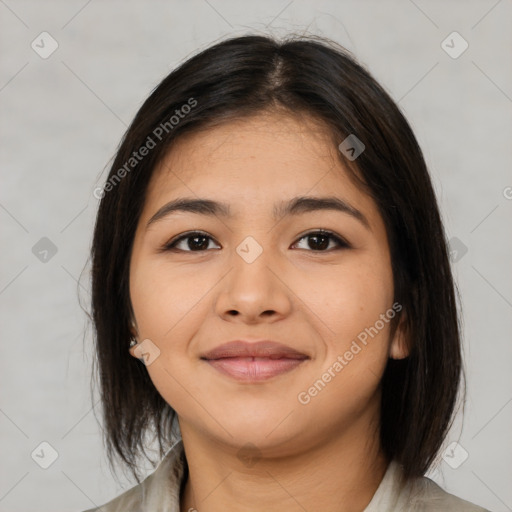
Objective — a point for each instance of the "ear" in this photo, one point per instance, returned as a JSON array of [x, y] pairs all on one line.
[[134, 330], [399, 347], [134, 334]]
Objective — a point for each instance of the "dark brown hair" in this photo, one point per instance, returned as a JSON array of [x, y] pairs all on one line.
[[240, 77]]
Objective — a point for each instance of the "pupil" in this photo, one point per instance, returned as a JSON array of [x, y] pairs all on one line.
[[193, 247], [322, 245]]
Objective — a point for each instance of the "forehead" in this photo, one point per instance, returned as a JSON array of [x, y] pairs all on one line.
[[263, 159]]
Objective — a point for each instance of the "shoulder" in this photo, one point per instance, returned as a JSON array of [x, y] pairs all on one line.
[[416, 495], [425, 495], [129, 501], [159, 491]]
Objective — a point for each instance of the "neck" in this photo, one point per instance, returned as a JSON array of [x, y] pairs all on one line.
[[338, 475]]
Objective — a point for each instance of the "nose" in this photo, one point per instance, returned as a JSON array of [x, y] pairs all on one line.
[[253, 292]]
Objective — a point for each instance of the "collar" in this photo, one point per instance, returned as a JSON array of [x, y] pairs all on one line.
[[161, 489]]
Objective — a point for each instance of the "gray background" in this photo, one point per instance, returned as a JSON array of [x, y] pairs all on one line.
[[62, 118]]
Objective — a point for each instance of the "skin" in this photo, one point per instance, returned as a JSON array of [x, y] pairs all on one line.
[[324, 455]]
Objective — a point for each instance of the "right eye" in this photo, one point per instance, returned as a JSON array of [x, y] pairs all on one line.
[[194, 241]]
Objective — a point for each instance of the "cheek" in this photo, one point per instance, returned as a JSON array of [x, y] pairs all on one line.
[[169, 309], [164, 299], [348, 298], [353, 313], [170, 305], [356, 315]]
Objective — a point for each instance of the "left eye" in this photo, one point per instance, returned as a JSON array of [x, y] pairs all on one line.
[[199, 242], [321, 240]]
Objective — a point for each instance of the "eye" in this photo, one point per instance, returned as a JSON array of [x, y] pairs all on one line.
[[198, 241], [319, 240]]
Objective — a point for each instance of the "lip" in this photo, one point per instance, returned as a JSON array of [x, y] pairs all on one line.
[[254, 361]]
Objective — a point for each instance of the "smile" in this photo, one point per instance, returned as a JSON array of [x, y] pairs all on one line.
[[254, 368]]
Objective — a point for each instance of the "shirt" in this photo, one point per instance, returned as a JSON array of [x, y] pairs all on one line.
[[160, 492]]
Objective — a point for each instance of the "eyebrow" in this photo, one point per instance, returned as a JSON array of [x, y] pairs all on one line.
[[295, 206]]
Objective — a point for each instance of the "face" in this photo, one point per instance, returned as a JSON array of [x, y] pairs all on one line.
[[250, 275]]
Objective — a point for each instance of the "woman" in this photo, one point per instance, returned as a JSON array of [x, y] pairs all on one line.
[[272, 294]]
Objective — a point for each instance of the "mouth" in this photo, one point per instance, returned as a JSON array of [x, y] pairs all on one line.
[[254, 361]]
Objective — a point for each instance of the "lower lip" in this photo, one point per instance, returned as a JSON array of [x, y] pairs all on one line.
[[254, 369]]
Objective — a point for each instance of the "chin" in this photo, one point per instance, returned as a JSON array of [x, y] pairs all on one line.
[[262, 428]]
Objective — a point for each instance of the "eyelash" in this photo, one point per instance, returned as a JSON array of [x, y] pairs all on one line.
[[171, 245]]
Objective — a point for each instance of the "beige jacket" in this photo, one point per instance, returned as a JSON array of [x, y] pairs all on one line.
[[160, 492]]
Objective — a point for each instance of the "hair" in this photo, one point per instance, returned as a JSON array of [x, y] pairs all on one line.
[[299, 75]]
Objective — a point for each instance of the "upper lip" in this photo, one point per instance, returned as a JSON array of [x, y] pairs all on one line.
[[265, 348]]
